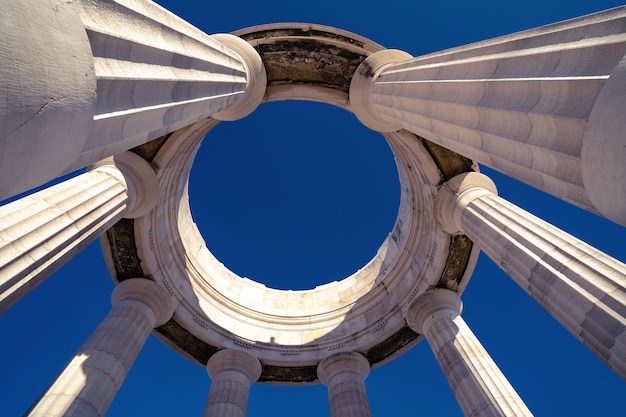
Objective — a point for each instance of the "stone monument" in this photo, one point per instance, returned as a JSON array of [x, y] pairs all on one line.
[[129, 90]]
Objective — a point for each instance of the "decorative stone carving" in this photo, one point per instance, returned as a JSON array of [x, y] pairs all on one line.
[[232, 372], [344, 374]]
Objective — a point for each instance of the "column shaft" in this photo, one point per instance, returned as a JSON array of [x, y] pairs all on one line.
[[519, 103], [344, 374], [48, 94], [42, 231], [231, 372], [147, 73], [89, 383], [155, 73], [478, 385], [583, 288]]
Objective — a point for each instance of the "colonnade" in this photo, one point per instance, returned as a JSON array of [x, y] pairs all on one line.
[[580, 286], [88, 384], [532, 105]]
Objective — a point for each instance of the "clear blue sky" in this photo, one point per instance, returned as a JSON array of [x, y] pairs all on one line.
[[307, 172]]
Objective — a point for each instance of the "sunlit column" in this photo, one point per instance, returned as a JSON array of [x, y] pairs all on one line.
[[157, 73], [232, 372], [48, 94], [344, 375], [89, 383], [478, 385], [101, 77], [583, 288], [544, 106], [42, 231]]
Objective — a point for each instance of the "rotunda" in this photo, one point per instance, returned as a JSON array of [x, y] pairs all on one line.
[[531, 105]]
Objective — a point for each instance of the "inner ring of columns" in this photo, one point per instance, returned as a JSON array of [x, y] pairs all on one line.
[[291, 331]]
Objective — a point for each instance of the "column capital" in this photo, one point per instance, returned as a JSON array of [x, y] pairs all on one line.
[[362, 79], [256, 78], [88, 384], [477, 383], [341, 362], [146, 292], [455, 195], [139, 177], [431, 305], [234, 360]]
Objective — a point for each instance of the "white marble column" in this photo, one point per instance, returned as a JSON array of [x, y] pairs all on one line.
[[344, 374], [581, 287], [89, 383], [48, 95], [232, 372], [101, 77], [544, 106], [478, 385], [42, 231]]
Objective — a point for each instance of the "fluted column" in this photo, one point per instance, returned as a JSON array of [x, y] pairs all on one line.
[[42, 231], [581, 287], [89, 383], [101, 77], [344, 374], [232, 372], [478, 385], [48, 94], [543, 106], [156, 73]]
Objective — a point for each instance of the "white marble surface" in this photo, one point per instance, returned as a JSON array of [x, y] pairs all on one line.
[[232, 372], [478, 384], [519, 104], [89, 383], [42, 231], [344, 375], [583, 288]]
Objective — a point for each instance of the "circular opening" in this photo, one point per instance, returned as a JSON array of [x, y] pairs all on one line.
[[296, 195]]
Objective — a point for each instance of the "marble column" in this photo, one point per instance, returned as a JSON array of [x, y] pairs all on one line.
[[543, 106], [42, 231], [581, 287], [101, 77], [232, 372], [344, 374], [89, 383], [478, 385]]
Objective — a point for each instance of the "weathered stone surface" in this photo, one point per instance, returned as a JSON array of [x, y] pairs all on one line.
[[121, 237]]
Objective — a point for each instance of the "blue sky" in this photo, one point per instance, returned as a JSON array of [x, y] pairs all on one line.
[[305, 216]]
